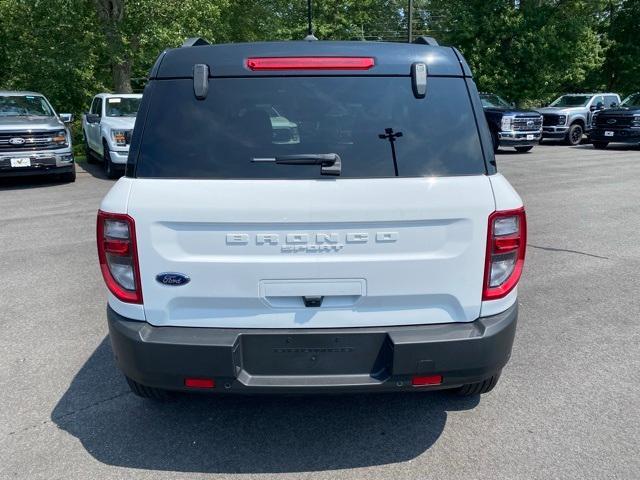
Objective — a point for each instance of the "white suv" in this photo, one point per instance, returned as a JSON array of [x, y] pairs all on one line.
[[375, 248], [107, 129]]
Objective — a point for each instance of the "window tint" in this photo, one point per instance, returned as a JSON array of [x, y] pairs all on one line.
[[609, 101], [24, 106], [244, 119], [597, 100], [96, 107], [122, 106]]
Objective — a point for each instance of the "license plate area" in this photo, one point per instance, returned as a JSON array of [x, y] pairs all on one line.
[[608, 134], [20, 162], [316, 354]]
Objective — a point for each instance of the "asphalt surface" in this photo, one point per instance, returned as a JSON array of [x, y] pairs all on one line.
[[565, 408]]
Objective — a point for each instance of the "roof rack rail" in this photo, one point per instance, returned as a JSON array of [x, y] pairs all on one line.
[[195, 42], [426, 41]]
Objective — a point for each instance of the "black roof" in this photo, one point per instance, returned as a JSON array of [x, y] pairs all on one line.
[[229, 59]]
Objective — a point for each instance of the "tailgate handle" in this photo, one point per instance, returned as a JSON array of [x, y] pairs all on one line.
[[312, 301]]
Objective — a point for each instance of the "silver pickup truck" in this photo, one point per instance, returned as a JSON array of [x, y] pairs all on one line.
[[34, 139], [569, 117]]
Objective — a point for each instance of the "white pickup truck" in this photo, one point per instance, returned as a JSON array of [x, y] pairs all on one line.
[[107, 130]]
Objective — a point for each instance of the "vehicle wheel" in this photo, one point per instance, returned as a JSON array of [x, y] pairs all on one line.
[[524, 149], [574, 135], [109, 168], [479, 388], [600, 145], [88, 153], [68, 177], [496, 142], [143, 391]]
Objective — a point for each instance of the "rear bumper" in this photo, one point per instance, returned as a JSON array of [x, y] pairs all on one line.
[[318, 360]]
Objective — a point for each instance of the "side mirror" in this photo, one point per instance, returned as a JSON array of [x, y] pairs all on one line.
[[513, 104], [66, 117], [93, 118]]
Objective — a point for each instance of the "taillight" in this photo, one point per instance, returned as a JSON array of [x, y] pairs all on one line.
[[506, 245], [116, 234], [310, 63]]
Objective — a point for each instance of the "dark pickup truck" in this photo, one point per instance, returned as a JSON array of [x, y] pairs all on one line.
[[620, 124], [509, 126]]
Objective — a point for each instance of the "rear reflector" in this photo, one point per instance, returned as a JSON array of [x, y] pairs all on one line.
[[199, 383], [422, 381], [310, 63]]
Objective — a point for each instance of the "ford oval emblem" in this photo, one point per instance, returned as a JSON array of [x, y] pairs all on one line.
[[172, 279], [612, 121], [17, 141]]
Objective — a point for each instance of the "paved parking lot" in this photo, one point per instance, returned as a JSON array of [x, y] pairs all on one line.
[[566, 406]]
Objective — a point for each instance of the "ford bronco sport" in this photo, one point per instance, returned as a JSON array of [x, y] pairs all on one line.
[[375, 248]]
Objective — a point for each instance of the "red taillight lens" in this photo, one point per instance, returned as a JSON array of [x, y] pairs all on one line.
[[310, 63], [506, 246], [116, 235]]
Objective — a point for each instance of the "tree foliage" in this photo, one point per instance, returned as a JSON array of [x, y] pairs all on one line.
[[525, 50]]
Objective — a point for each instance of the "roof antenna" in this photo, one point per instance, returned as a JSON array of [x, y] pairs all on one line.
[[310, 36]]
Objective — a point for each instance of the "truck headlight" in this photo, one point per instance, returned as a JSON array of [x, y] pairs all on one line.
[[119, 137], [507, 124], [636, 121], [61, 139], [562, 119]]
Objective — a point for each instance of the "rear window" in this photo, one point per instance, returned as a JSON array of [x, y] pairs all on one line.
[[244, 121]]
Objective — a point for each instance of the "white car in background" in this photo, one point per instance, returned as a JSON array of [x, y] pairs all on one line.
[[107, 130]]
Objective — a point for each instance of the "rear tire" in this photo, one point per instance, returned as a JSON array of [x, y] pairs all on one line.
[[88, 153], [574, 135], [600, 145], [478, 388], [524, 149], [151, 393]]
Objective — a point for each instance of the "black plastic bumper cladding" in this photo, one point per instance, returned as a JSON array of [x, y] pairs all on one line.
[[298, 360]]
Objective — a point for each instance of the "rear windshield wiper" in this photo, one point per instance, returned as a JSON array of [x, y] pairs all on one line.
[[330, 163]]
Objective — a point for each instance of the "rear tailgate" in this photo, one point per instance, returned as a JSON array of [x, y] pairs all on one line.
[[378, 252]]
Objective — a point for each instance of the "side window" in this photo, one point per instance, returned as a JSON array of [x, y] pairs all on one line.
[[610, 100], [93, 105], [99, 106], [597, 100]]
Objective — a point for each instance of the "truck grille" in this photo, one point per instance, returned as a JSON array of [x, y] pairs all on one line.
[[10, 141], [527, 124], [612, 122]]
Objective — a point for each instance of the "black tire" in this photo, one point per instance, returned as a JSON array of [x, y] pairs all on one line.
[[479, 388], [524, 149], [109, 167], [68, 177], [151, 393], [88, 153], [574, 135], [600, 145], [495, 141]]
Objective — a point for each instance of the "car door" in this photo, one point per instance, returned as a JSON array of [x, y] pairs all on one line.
[[599, 99]]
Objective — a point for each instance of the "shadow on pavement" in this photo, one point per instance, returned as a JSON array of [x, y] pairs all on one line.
[[30, 181], [236, 434]]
